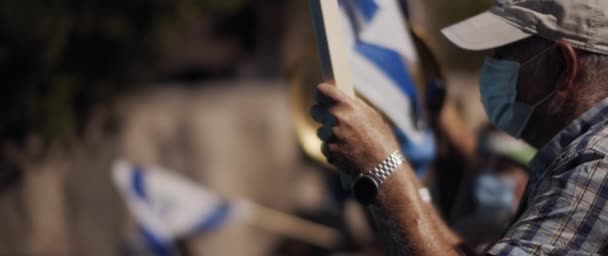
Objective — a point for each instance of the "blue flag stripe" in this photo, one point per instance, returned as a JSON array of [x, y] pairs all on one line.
[[159, 246], [137, 182], [368, 8], [216, 219], [391, 64], [419, 155]]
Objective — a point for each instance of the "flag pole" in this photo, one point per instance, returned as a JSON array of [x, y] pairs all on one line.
[[331, 46], [333, 54], [287, 225]]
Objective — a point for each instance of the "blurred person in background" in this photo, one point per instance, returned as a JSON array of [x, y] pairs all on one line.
[[545, 83], [489, 197]]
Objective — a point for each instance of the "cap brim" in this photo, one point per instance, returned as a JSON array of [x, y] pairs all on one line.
[[482, 32]]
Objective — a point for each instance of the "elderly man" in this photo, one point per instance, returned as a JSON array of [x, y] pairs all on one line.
[[547, 83]]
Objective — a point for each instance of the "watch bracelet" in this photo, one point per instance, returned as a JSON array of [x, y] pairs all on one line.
[[383, 170]]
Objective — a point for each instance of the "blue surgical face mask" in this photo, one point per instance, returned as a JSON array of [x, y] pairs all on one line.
[[498, 89]]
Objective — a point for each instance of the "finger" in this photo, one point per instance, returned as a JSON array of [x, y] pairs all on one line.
[[316, 112], [329, 119], [321, 114], [332, 92], [325, 133], [320, 98], [329, 151]]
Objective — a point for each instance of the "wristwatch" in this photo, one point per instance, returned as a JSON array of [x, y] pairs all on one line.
[[367, 185]]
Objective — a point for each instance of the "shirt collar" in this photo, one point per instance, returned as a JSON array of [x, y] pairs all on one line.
[[550, 151]]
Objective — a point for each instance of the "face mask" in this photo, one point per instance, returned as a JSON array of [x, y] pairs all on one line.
[[498, 89]]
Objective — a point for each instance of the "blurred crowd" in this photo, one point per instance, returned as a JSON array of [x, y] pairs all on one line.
[[207, 89]]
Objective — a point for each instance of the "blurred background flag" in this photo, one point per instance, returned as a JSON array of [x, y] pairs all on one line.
[[167, 207], [384, 65]]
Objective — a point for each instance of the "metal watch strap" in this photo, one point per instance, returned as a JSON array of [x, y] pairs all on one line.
[[383, 170]]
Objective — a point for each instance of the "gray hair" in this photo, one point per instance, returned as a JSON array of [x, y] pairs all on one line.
[[594, 67]]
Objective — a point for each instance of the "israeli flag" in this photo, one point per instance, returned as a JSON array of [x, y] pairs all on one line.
[[382, 57], [166, 206]]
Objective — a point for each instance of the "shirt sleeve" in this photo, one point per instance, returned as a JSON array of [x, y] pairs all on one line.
[[567, 211]]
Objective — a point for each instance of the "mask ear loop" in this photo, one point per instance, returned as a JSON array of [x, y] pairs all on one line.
[[544, 99], [532, 110], [538, 54]]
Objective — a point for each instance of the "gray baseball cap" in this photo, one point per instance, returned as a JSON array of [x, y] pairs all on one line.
[[583, 23]]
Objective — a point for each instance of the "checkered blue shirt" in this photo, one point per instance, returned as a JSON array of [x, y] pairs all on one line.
[[565, 210]]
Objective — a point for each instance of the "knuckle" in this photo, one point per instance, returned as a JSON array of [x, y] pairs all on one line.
[[345, 120], [350, 108], [331, 121], [340, 111], [333, 148], [338, 133], [320, 86], [335, 112]]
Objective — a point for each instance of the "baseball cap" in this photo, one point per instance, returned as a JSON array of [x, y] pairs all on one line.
[[582, 23]]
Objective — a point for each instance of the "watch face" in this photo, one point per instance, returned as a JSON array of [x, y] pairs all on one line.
[[365, 189]]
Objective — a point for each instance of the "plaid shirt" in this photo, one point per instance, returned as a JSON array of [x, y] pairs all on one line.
[[565, 211]]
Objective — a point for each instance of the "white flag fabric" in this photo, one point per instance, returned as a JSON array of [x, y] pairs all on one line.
[[381, 51], [167, 207]]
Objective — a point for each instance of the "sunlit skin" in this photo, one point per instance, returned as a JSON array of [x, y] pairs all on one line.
[[360, 139]]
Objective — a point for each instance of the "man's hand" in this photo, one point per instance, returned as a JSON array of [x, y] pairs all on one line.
[[355, 136], [355, 139]]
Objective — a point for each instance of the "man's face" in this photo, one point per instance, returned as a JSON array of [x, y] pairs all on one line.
[[539, 69], [540, 73]]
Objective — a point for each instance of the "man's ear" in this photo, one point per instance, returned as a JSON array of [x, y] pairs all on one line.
[[571, 70]]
